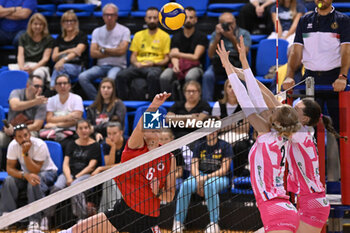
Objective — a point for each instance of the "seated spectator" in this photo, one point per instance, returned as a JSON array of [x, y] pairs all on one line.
[[209, 176], [166, 136], [255, 16], [70, 52], [79, 162], [187, 50], [192, 108], [27, 106], [236, 134], [107, 107], [112, 150], [289, 13], [14, 17], [150, 53], [63, 109], [36, 173], [109, 46], [34, 49], [227, 31]]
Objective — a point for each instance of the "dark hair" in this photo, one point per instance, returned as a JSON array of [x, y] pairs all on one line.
[[82, 121], [19, 127], [115, 124], [313, 111], [31, 78], [152, 8], [190, 8], [62, 75], [192, 82], [98, 103]]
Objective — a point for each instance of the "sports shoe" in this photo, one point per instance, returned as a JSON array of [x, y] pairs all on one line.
[[213, 227], [44, 224], [33, 225], [178, 227]]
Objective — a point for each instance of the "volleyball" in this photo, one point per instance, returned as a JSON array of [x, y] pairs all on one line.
[[172, 16]]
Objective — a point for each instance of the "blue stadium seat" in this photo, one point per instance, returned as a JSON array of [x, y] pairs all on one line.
[[266, 57], [124, 7], [2, 117], [3, 176], [47, 9], [199, 6], [141, 110], [56, 154], [343, 7], [144, 4], [215, 9], [10, 80], [80, 9]]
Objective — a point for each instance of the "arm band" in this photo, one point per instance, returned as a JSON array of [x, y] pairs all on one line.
[[242, 95], [254, 91]]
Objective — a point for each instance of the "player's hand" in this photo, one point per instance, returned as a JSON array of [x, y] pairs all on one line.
[[32, 178], [69, 181], [223, 54], [160, 98], [155, 186], [288, 83], [241, 49], [339, 84], [97, 170]]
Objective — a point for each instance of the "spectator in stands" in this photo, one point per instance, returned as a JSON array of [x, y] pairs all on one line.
[[192, 108], [324, 55], [109, 46], [187, 50], [167, 136], [26, 106], [70, 51], [107, 107], [255, 16], [209, 176], [34, 48], [150, 53], [227, 31], [79, 162], [36, 174], [112, 150], [289, 13], [14, 17], [63, 109], [236, 134]]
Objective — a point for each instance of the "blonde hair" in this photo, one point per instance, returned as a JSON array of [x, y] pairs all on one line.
[[286, 121], [42, 19], [224, 99], [69, 13]]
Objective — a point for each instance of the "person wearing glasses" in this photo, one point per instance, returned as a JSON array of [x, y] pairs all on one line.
[[36, 174], [26, 106], [109, 46], [70, 52], [192, 108], [63, 109]]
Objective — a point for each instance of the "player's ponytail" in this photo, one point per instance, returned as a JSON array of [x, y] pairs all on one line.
[[328, 124]]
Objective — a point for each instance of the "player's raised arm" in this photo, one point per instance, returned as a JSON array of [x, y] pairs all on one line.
[[136, 139]]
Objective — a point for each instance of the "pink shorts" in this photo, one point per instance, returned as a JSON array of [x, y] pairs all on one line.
[[279, 214], [314, 209]]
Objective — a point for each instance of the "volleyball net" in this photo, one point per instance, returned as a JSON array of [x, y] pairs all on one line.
[[226, 197]]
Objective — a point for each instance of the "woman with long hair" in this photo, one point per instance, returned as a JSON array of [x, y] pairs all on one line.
[[70, 52], [106, 107], [34, 49], [267, 155]]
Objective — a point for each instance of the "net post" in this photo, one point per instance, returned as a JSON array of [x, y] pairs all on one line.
[[344, 107]]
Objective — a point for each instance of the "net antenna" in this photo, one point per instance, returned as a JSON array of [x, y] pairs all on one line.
[[82, 186]]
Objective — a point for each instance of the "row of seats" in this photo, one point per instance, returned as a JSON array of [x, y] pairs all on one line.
[[125, 7]]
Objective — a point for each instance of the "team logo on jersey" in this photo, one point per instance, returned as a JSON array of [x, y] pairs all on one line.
[[160, 166], [334, 25], [156, 229], [152, 120], [309, 25], [259, 174]]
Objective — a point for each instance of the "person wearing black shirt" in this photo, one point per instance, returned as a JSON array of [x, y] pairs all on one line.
[[191, 109], [112, 150], [79, 162], [187, 49], [209, 176], [69, 54]]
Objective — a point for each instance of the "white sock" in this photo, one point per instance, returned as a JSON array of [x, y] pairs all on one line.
[[254, 91], [242, 95]]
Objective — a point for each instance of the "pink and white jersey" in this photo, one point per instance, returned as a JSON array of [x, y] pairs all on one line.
[[267, 164], [302, 157]]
